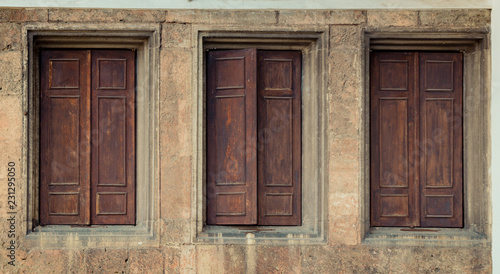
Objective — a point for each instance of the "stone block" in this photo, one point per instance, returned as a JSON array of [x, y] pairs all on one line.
[[105, 15], [278, 259], [11, 37], [210, 259], [107, 261], [23, 15], [346, 17], [175, 199], [392, 18], [42, 261], [175, 103], [146, 261], [302, 17], [231, 17], [235, 259], [345, 37], [172, 259], [176, 35], [475, 18], [11, 71], [344, 176], [11, 130], [175, 232], [188, 259]]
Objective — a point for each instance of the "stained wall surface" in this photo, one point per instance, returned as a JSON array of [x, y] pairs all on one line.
[[173, 246]]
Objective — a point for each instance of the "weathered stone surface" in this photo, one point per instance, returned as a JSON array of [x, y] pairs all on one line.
[[188, 259], [348, 37], [11, 36], [172, 259], [146, 261], [105, 15], [11, 130], [346, 17], [238, 17], [41, 261], [278, 259], [11, 71], [234, 258], [210, 259], [305, 17], [107, 260], [175, 200], [174, 232], [392, 18], [455, 18], [23, 15], [176, 35]]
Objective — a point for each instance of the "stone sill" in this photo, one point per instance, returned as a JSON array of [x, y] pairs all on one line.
[[265, 235], [64, 236], [433, 237]]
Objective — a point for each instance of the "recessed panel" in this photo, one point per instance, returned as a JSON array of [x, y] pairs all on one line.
[[230, 140], [394, 205], [438, 75], [64, 73], [393, 142], [279, 204], [226, 76], [64, 140], [111, 141], [112, 73], [230, 204], [393, 75], [276, 141], [438, 143], [439, 206], [277, 74], [64, 203], [114, 203]]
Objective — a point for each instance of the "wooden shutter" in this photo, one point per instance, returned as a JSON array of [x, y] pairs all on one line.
[[416, 139], [113, 137], [394, 131], [441, 139], [231, 137], [64, 128], [279, 137]]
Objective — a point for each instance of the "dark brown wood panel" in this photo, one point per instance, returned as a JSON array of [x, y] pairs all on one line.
[[64, 127], [279, 137], [394, 131], [231, 137], [113, 137], [441, 139]]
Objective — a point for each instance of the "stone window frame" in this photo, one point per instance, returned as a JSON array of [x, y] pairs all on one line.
[[145, 40], [313, 43], [476, 144]]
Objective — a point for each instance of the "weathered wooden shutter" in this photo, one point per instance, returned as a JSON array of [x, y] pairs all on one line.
[[279, 137], [394, 136], [64, 139], [416, 139], [231, 137], [441, 139], [113, 137]]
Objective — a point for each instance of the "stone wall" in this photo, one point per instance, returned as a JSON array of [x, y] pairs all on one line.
[[172, 248]]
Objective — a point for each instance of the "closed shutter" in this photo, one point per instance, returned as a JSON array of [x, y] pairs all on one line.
[[416, 139], [394, 151], [113, 137], [231, 137], [441, 139], [64, 139], [279, 137]]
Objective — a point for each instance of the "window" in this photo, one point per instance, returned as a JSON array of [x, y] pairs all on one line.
[[416, 139], [87, 137], [254, 137]]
